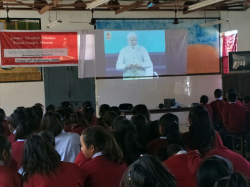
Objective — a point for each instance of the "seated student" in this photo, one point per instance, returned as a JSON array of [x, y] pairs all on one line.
[[204, 101], [147, 171], [4, 123], [124, 133], [75, 122], [142, 128], [66, 107], [24, 129], [8, 176], [235, 180], [42, 166], [88, 113], [170, 134], [213, 169], [116, 110], [102, 111], [109, 118], [178, 166], [246, 101], [67, 144], [234, 91], [141, 109], [217, 106], [50, 108], [106, 167], [198, 119], [234, 117]]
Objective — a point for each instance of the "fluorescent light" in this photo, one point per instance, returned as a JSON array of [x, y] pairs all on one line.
[[203, 4], [213, 23], [96, 3], [53, 23]]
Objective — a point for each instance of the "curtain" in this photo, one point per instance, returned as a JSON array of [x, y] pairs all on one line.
[[229, 45]]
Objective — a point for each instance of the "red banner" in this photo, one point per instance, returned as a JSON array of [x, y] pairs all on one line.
[[38, 49]]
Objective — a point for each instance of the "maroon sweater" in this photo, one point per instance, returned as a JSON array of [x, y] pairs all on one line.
[[234, 118], [81, 159], [100, 172], [154, 146], [239, 163], [11, 138], [68, 174], [217, 106], [9, 177], [178, 166], [17, 152]]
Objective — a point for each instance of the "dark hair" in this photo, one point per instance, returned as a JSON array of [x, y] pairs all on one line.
[[141, 109], [141, 124], [2, 130], [232, 97], [39, 111], [4, 144], [172, 149], [124, 133], [235, 180], [103, 141], [246, 99], [201, 128], [38, 104], [88, 112], [50, 108], [116, 109], [232, 90], [39, 157], [16, 117], [147, 171], [103, 109], [86, 103], [117, 120], [25, 128], [218, 93], [213, 169], [109, 117], [2, 115], [20, 108], [170, 128], [48, 137], [52, 122], [75, 119], [204, 99], [30, 113], [154, 132], [67, 107]]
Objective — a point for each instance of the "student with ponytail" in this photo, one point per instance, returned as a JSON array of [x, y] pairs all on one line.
[[170, 134], [235, 180], [106, 167]]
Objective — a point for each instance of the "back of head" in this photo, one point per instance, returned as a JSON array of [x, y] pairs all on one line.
[[117, 120], [39, 157], [141, 123], [16, 117], [86, 103], [169, 125], [52, 122], [67, 107], [50, 108], [201, 128], [232, 97], [141, 109], [204, 99], [39, 111], [30, 113], [48, 137], [103, 109], [109, 118], [77, 119], [104, 142], [116, 110], [25, 128], [2, 115], [88, 112], [213, 169], [246, 99], [235, 180], [5, 148], [173, 149], [232, 90], [147, 171], [218, 93]]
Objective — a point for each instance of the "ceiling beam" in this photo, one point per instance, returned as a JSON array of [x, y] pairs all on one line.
[[132, 6], [49, 7]]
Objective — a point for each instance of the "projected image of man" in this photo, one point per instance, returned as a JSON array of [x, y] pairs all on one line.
[[133, 59]]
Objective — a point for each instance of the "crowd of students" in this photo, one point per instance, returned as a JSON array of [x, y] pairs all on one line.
[[73, 148]]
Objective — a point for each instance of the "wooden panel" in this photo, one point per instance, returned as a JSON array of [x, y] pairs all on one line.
[[231, 82], [245, 82]]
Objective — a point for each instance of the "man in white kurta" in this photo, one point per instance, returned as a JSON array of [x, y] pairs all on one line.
[[133, 59]]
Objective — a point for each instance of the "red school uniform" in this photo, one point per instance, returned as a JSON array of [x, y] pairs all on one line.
[[10, 177], [209, 109], [178, 166], [154, 146], [239, 163], [191, 144], [100, 172], [217, 106], [17, 152], [81, 160], [11, 138], [234, 118], [78, 129], [67, 175]]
